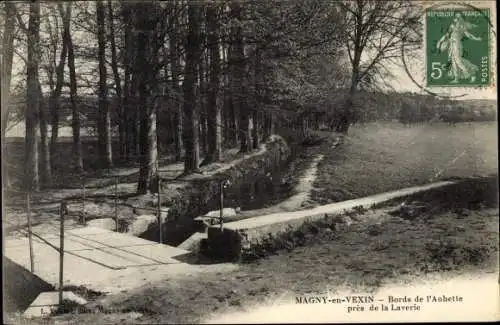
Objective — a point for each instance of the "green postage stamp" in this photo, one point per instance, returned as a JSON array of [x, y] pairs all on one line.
[[458, 47]]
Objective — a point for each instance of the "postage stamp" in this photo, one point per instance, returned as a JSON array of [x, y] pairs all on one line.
[[458, 47]]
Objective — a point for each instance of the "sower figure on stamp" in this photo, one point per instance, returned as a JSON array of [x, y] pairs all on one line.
[[461, 68]]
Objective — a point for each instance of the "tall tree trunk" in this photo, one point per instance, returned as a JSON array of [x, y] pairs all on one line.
[[202, 106], [268, 123], [148, 170], [77, 143], [234, 111], [175, 71], [345, 116], [166, 115], [227, 129], [125, 117], [45, 175], [255, 129], [148, 140], [104, 122], [118, 86], [240, 94], [31, 181], [214, 131], [54, 100], [131, 82], [54, 105], [257, 79], [272, 122], [179, 146], [128, 55], [133, 116], [149, 144], [248, 121], [146, 61], [8, 53], [230, 133], [191, 118]]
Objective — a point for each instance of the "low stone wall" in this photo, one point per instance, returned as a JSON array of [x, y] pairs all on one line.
[[250, 235], [232, 245]]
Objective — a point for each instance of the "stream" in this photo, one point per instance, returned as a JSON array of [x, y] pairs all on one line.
[[252, 191]]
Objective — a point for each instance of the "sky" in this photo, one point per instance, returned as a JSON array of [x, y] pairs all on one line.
[[400, 81]]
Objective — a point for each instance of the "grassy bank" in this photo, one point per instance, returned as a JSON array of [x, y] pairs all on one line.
[[378, 158]]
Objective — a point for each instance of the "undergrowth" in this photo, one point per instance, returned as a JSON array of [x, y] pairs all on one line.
[[290, 238]]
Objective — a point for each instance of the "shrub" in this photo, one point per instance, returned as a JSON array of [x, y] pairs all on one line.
[[448, 254]]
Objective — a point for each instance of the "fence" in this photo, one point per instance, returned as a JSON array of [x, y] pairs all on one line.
[[224, 184], [64, 212], [86, 196], [30, 234]]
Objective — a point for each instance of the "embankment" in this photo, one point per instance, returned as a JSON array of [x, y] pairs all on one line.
[[194, 195], [255, 237]]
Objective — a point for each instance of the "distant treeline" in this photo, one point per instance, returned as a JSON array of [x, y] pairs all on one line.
[[406, 107], [368, 107]]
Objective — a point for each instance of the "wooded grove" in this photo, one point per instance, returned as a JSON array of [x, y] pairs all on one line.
[[187, 77]]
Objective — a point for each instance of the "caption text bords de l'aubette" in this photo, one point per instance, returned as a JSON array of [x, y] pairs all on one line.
[[371, 303]]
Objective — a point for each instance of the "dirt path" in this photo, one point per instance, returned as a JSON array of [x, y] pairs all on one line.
[[295, 202], [304, 187], [333, 208]]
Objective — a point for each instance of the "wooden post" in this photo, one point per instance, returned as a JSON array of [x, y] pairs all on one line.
[[30, 235], [116, 204], [62, 212], [84, 221], [158, 207], [221, 204]]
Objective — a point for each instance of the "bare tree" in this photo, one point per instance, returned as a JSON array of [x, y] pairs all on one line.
[[6, 70], [214, 132], [202, 95], [231, 104], [128, 111], [191, 117], [117, 79], [45, 165], [55, 95], [257, 99], [104, 119], [146, 72], [75, 118], [31, 181], [239, 92], [175, 72], [378, 29]]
